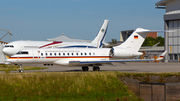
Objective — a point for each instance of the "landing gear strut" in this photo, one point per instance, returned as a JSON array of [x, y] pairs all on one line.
[[96, 68], [85, 68], [21, 69]]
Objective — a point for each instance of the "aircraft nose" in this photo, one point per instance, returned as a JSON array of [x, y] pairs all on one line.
[[6, 51]]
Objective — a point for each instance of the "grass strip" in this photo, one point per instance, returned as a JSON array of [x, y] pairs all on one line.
[[64, 86], [4, 67]]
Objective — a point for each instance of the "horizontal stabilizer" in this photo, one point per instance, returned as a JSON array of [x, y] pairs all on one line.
[[162, 55]]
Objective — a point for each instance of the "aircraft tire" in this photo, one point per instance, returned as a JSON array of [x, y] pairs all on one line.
[[21, 71], [85, 68], [96, 68]]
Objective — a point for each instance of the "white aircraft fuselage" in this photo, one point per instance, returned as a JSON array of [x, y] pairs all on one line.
[[65, 56], [14, 47]]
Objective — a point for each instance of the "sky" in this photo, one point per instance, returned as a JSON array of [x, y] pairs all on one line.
[[79, 19]]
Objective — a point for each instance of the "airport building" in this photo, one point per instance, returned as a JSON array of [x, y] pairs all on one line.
[[171, 22]]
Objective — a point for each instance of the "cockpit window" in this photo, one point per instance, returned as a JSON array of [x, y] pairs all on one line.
[[11, 46], [22, 52]]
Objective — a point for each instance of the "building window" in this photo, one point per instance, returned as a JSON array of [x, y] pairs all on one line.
[[170, 56], [175, 57]]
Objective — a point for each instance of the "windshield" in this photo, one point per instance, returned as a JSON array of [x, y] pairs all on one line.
[[22, 52], [11, 46]]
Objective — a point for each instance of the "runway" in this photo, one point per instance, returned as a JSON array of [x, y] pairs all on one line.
[[136, 67]]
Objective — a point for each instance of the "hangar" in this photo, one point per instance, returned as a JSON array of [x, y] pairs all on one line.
[[171, 22]]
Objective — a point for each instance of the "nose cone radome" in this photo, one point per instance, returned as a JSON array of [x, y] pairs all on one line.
[[7, 51]]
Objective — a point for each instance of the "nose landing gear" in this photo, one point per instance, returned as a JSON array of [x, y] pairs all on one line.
[[21, 69]]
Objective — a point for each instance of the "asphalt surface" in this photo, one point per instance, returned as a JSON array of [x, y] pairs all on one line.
[[127, 67]]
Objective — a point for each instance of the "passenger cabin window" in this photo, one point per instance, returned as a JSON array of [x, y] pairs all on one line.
[[89, 53], [59, 54], [50, 54], [67, 53], [63, 53], [76, 53], [41, 54], [85, 53], [22, 52], [72, 54], [46, 54], [54, 54], [81, 53]]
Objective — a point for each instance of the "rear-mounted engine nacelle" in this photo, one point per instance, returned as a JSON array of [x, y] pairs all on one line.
[[118, 52]]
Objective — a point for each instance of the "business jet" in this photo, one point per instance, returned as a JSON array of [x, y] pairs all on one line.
[[85, 57], [14, 47]]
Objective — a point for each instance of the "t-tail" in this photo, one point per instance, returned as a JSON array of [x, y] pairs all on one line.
[[101, 35], [136, 39]]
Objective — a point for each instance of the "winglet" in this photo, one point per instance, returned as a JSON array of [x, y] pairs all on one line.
[[162, 55]]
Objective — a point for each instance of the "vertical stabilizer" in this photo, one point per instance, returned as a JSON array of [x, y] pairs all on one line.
[[136, 39], [101, 35]]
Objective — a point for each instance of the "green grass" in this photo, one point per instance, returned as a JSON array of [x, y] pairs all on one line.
[[64, 86], [73, 86], [7, 68]]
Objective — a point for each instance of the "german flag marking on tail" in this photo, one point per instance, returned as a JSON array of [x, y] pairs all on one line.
[[135, 37]]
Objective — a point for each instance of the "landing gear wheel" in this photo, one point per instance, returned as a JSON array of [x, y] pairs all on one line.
[[96, 68], [21, 69], [85, 68]]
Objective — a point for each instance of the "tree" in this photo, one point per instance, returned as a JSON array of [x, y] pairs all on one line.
[[150, 41], [114, 41]]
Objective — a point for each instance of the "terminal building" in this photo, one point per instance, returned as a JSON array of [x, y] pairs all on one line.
[[171, 22]]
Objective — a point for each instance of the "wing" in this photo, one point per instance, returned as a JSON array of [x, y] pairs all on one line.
[[106, 61]]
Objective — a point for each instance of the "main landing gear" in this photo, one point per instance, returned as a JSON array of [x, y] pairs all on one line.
[[96, 68], [21, 69], [86, 68]]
